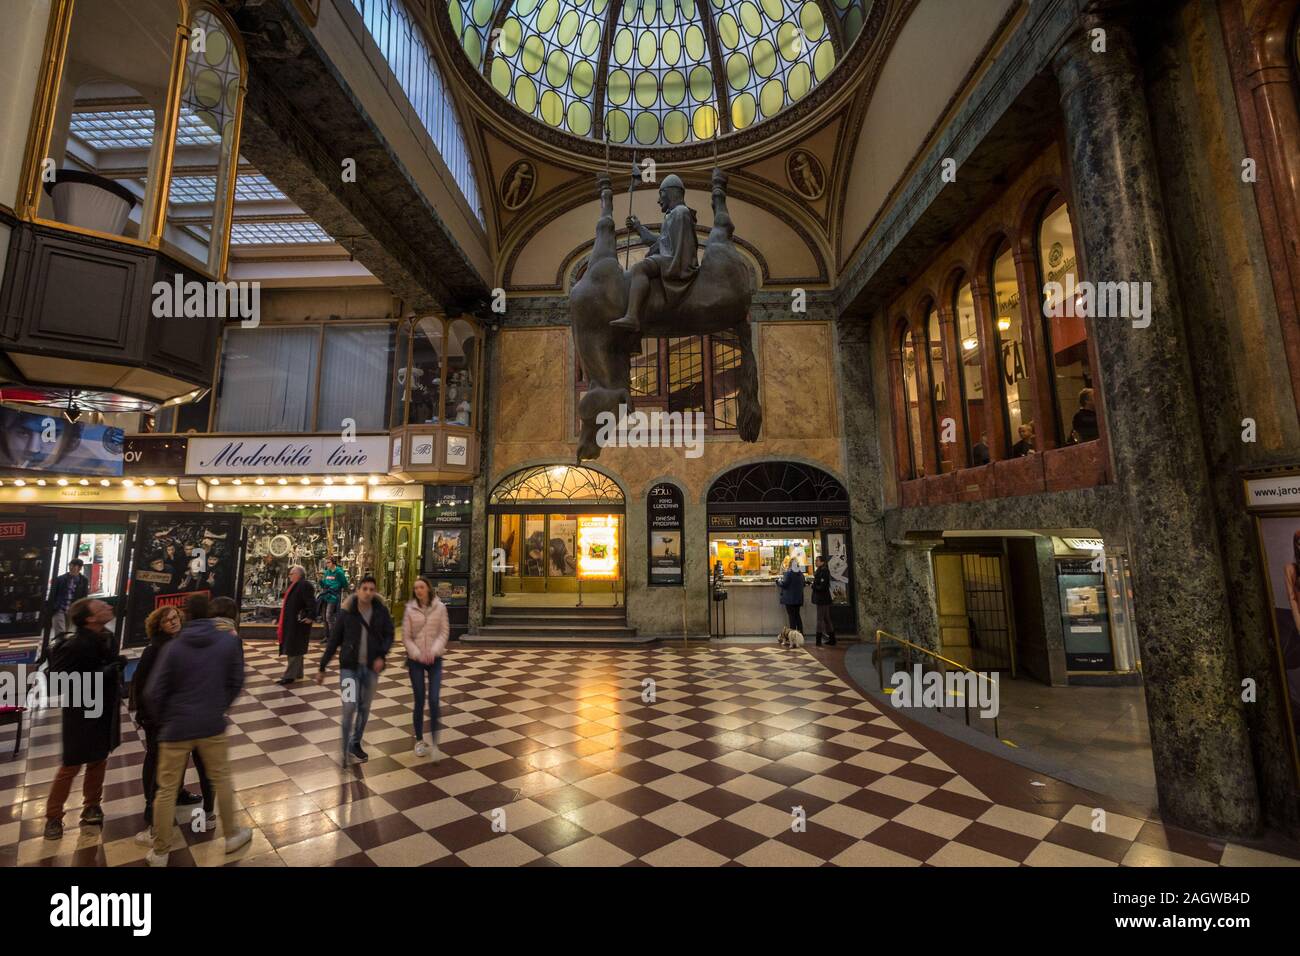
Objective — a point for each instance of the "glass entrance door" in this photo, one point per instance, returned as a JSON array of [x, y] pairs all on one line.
[[539, 559]]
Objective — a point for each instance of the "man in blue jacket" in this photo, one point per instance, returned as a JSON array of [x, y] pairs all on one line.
[[198, 675], [362, 635]]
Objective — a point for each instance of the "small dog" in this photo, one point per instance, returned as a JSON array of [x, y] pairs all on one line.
[[789, 638]]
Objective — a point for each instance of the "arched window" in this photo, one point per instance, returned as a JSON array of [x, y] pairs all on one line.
[[940, 406], [905, 356], [1065, 332], [1014, 384], [970, 371]]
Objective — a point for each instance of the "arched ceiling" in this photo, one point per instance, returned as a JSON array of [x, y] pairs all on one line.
[[655, 72]]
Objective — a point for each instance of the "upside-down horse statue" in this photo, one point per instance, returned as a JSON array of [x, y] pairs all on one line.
[[666, 294]]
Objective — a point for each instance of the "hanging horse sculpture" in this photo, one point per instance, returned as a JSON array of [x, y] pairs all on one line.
[[715, 299]]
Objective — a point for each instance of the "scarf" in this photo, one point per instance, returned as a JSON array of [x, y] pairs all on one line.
[[279, 626]]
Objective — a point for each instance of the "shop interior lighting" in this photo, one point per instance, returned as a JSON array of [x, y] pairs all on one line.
[[40, 482], [1004, 324], [329, 480], [128, 482], [259, 481], [83, 482], [235, 482], [969, 344], [217, 481], [62, 482], [304, 480], [351, 480], [373, 480], [19, 483], [104, 482], [149, 482], [171, 481]]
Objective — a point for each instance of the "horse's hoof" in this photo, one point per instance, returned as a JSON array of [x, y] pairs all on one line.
[[628, 324]]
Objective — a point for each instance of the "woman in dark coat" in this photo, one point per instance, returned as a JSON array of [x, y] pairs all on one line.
[[790, 584], [822, 599], [296, 616]]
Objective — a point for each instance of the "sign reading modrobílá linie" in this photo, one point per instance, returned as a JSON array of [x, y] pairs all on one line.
[[305, 455]]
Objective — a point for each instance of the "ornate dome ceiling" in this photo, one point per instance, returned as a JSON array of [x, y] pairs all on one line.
[[655, 72]]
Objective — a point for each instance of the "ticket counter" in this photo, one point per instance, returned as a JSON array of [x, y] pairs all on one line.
[[794, 511]]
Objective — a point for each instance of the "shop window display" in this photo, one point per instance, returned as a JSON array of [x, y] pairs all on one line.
[[378, 540], [462, 344]]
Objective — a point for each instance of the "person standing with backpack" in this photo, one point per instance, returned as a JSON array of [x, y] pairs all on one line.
[[362, 635], [92, 725]]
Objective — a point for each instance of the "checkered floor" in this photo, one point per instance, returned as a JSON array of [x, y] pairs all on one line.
[[719, 754]]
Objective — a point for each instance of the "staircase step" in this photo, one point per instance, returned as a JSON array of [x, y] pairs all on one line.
[[561, 612], [557, 639], [522, 628]]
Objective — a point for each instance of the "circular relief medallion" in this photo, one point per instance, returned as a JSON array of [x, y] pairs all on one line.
[[806, 174], [517, 184]]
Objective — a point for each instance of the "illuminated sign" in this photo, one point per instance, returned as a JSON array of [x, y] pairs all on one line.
[[598, 547], [304, 455]]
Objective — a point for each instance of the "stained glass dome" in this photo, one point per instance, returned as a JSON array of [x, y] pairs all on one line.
[[655, 72]]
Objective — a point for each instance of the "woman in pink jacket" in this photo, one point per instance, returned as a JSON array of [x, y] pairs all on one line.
[[425, 632]]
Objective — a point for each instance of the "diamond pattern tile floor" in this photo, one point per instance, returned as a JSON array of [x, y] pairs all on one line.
[[745, 754]]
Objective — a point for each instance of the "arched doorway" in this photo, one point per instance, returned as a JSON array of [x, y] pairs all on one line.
[[556, 539], [758, 515]]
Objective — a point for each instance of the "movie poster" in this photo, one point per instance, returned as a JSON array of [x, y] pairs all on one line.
[[176, 555], [445, 550]]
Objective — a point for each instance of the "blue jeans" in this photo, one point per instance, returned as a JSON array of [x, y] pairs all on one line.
[[358, 688], [420, 674]]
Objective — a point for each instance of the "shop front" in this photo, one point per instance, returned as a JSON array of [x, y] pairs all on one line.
[[557, 539], [760, 515], [302, 499]]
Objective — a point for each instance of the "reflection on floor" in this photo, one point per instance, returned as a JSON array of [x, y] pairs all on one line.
[[1096, 737], [705, 755]]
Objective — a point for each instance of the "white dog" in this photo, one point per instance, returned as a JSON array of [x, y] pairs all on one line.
[[790, 638]]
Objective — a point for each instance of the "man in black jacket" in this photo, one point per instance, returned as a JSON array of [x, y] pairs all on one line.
[[66, 591], [88, 661], [362, 635], [821, 598]]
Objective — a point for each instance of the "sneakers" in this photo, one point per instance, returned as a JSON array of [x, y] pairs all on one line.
[[94, 816], [238, 840], [54, 829], [145, 837], [421, 748], [156, 859]]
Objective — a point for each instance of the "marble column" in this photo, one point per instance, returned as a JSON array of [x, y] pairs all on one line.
[[894, 587], [1203, 764]]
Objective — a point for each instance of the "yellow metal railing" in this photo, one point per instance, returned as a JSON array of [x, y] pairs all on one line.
[[880, 669]]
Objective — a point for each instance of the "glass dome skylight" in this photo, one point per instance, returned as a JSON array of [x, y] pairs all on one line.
[[655, 72]]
